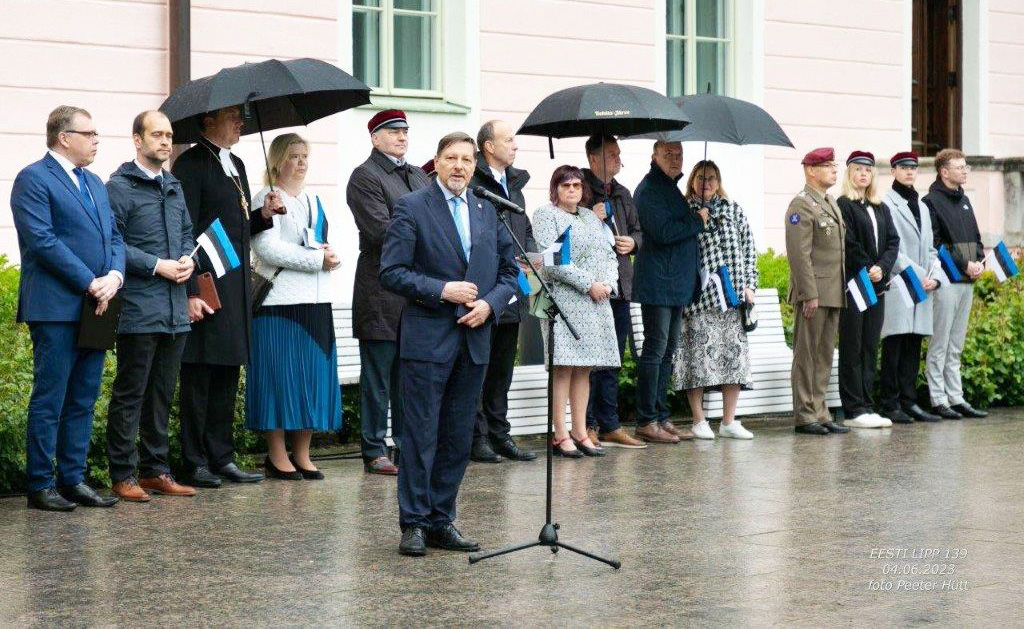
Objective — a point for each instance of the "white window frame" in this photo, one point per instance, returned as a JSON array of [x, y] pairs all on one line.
[[387, 12], [691, 39]]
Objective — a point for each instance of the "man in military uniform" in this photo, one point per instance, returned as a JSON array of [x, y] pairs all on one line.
[[814, 245]]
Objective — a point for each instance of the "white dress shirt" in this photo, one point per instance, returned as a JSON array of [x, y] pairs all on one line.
[[498, 174], [225, 159], [398, 161]]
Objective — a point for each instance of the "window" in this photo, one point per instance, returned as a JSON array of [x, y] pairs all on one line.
[[396, 46], [699, 47]]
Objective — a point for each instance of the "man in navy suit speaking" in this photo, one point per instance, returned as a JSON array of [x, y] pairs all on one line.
[[70, 248], [447, 254]]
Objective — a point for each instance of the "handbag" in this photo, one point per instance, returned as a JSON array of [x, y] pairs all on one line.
[[748, 316], [261, 288]]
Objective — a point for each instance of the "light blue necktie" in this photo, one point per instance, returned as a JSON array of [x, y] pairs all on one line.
[[457, 216], [504, 184]]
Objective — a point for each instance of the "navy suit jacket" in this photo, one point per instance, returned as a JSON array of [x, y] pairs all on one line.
[[64, 245], [422, 252]]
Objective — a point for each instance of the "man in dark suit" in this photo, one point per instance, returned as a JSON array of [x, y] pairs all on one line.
[[215, 186], [446, 253], [70, 247], [373, 189], [494, 171]]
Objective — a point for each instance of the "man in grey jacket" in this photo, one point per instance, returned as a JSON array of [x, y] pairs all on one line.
[[149, 207], [373, 190]]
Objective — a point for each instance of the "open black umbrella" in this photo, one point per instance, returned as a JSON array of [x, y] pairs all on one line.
[[280, 94], [605, 108]]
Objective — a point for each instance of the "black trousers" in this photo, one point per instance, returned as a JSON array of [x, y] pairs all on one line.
[[207, 415], [901, 362], [140, 403], [858, 351], [492, 412], [379, 385]]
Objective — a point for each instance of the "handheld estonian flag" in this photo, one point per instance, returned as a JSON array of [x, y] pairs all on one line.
[[727, 297], [861, 290], [558, 253], [1001, 262], [909, 287], [215, 242], [524, 283], [948, 266]]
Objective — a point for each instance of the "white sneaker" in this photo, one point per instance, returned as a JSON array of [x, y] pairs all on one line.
[[703, 430], [734, 430], [883, 422], [864, 420]]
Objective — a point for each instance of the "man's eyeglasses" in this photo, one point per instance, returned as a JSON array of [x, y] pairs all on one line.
[[87, 134], [963, 168]]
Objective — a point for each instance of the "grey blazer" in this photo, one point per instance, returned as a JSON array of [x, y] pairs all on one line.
[[917, 252]]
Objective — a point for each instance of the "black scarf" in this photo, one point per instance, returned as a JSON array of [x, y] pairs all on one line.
[[910, 195]]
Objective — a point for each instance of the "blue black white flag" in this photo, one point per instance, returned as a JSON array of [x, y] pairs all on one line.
[[950, 271], [215, 242], [724, 288], [1001, 262], [861, 290], [909, 286], [558, 253], [524, 283]]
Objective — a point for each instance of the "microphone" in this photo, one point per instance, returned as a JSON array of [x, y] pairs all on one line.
[[499, 202]]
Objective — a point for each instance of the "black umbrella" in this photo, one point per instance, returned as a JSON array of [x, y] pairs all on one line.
[[605, 108], [280, 94]]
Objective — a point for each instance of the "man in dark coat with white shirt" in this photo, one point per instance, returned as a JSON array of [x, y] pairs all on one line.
[[373, 190]]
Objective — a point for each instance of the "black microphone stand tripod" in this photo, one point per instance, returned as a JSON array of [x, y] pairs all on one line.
[[549, 532]]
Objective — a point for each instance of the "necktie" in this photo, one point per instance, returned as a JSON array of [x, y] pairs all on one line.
[[504, 184], [83, 188], [457, 216]]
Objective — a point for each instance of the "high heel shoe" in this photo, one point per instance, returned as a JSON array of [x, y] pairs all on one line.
[[273, 472], [557, 450], [584, 448], [307, 474]]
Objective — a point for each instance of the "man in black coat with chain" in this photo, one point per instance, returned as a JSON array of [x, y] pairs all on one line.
[[215, 186], [373, 190], [491, 434]]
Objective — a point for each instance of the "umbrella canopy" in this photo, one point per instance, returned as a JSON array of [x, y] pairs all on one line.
[[283, 94], [606, 108], [715, 118]]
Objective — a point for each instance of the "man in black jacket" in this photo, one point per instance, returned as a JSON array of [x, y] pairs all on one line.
[[614, 205], [149, 207], [494, 171], [956, 229], [373, 189]]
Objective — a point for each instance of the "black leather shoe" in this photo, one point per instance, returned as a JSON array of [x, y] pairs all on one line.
[[967, 410], [898, 417], [86, 496], [49, 500], [203, 477], [274, 472], [587, 451], [510, 450], [482, 452], [414, 542], [235, 475], [834, 427], [449, 538], [814, 428], [306, 474], [945, 412], [921, 415]]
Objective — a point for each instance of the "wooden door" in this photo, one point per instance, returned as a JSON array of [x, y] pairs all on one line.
[[936, 97]]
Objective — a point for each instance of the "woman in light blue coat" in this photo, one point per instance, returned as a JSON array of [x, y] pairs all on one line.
[[905, 327]]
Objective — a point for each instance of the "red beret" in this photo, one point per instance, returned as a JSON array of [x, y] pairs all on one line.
[[906, 158], [428, 167], [819, 156], [861, 157], [389, 118]]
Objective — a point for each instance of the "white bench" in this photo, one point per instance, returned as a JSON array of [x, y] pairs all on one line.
[[348, 347], [771, 362]]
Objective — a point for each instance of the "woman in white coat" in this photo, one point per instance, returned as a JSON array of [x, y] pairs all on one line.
[[904, 328]]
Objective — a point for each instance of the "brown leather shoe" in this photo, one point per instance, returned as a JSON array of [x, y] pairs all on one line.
[[654, 433], [619, 438], [381, 465], [592, 435], [129, 490], [166, 485], [684, 434]]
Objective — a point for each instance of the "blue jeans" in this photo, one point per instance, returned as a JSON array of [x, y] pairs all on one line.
[[603, 409], [654, 369]]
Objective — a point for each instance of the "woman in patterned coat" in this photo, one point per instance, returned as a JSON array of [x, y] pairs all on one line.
[[582, 289], [713, 351]]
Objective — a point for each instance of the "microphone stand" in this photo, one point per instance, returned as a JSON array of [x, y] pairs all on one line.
[[549, 531]]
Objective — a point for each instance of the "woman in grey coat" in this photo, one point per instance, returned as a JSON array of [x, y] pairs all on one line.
[[904, 328], [582, 289]]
